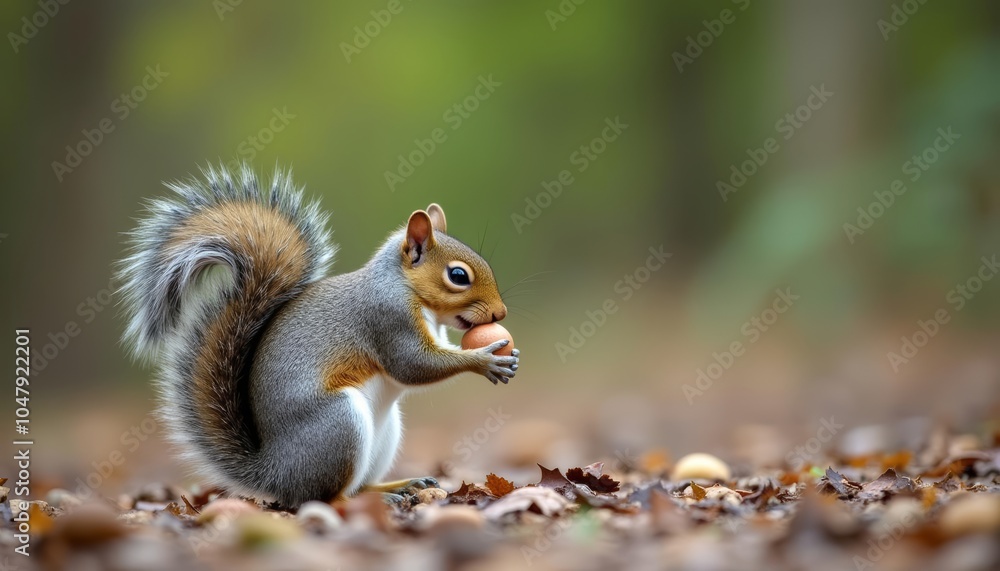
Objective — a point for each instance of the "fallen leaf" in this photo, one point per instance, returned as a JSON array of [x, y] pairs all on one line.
[[541, 500], [172, 507], [889, 483], [958, 463], [470, 494], [191, 510], [552, 478], [761, 496], [697, 491], [592, 477], [838, 483], [606, 501], [498, 486], [949, 483]]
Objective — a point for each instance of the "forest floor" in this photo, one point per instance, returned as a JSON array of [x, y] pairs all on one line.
[[937, 507]]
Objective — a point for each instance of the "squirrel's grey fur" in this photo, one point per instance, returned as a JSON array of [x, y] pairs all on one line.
[[241, 352]]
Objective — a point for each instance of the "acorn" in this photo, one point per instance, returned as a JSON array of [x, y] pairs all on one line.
[[483, 335]]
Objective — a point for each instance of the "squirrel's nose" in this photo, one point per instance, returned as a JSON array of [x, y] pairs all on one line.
[[497, 316]]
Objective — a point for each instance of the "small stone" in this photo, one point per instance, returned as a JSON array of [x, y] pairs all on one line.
[[442, 518], [971, 513], [321, 515], [431, 495], [229, 508], [265, 529], [700, 466]]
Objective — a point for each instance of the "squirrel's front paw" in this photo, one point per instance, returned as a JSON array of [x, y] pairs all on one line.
[[498, 368]]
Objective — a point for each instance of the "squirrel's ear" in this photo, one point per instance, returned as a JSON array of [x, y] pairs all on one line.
[[419, 236], [438, 220]]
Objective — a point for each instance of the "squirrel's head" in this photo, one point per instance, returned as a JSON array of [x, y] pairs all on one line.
[[448, 277]]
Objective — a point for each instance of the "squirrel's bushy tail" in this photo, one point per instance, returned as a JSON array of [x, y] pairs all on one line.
[[201, 326]]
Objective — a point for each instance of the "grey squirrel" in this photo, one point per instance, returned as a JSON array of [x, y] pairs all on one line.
[[276, 381]]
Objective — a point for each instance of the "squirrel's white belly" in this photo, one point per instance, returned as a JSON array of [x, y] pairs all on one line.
[[376, 408], [375, 404]]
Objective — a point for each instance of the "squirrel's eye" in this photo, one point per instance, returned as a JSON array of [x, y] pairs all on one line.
[[458, 276]]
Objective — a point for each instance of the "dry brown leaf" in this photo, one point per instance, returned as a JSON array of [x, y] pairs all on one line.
[[957, 463], [498, 486], [838, 483], [697, 491], [469, 494], [592, 477], [541, 500], [190, 509], [552, 478]]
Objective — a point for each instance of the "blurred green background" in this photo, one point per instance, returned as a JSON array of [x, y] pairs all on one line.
[[270, 83]]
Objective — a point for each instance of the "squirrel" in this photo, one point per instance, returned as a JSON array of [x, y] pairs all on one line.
[[276, 381]]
